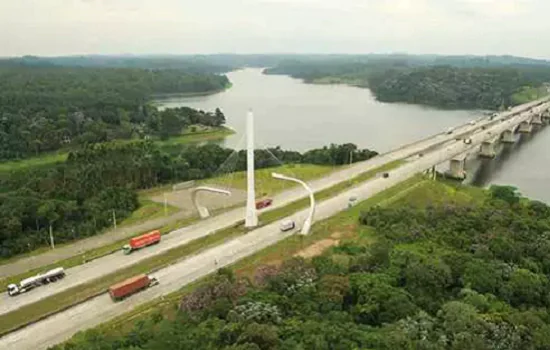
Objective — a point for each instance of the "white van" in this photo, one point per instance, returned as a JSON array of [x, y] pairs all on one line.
[[287, 225]]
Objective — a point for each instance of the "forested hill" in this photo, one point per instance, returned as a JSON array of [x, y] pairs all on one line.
[[461, 83], [462, 88], [190, 64], [46, 108]]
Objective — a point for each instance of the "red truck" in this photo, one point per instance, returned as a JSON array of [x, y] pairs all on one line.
[[139, 242], [132, 285], [264, 203]]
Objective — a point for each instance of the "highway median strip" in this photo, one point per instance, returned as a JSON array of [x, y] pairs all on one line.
[[61, 301], [277, 252]]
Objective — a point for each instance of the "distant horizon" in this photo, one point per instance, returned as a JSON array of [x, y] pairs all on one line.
[[282, 53], [57, 28]]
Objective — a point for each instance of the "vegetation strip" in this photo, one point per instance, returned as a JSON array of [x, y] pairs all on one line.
[[58, 302]]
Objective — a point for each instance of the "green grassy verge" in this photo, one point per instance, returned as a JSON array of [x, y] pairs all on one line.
[[61, 301], [266, 185], [528, 94], [48, 159], [275, 253]]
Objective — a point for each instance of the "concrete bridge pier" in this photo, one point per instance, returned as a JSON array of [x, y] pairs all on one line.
[[508, 136], [488, 148], [537, 119], [457, 166], [525, 127]]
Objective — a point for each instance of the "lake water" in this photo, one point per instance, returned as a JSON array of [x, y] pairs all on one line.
[[298, 116]]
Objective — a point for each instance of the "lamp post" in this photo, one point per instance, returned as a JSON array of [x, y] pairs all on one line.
[[203, 211], [309, 219]]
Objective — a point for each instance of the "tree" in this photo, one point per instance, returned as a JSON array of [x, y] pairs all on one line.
[[376, 302], [508, 194], [525, 288]]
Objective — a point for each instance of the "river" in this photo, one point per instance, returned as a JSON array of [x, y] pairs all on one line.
[[298, 116]]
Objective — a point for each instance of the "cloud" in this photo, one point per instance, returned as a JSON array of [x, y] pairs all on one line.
[[55, 27]]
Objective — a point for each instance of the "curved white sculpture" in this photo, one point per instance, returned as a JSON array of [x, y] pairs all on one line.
[[203, 211], [309, 220]]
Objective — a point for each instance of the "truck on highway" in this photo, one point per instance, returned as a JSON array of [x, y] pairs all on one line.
[[264, 203], [142, 241], [35, 281], [130, 286]]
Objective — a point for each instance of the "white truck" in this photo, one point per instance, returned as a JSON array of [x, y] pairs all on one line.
[[35, 281]]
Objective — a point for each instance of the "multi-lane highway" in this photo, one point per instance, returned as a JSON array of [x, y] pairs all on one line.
[[99, 267], [62, 325], [229, 218]]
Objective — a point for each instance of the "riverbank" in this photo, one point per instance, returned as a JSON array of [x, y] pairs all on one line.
[[157, 99], [48, 159]]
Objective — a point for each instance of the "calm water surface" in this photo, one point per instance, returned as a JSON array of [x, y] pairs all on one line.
[[298, 116]]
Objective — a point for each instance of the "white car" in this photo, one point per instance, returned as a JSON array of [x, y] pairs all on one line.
[[287, 225]]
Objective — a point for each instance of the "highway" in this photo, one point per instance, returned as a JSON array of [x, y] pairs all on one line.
[[233, 216], [101, 308], [110, 263], [63, 325]]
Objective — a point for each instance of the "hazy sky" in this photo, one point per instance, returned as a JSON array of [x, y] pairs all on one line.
[[61, 27]]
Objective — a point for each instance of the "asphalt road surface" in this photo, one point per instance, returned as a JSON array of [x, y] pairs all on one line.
[[63, 325]]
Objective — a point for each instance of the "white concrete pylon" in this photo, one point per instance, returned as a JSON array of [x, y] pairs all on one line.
[[251, 216]]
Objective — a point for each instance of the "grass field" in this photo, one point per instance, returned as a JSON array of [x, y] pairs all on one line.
[[266, 185], [70, 297], [48, 159], [528, 94]]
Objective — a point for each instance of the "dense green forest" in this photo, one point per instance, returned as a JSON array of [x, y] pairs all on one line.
[[460, 83], [449, 87], [77, 197], [219, 63], [464, 274], [47, 108]]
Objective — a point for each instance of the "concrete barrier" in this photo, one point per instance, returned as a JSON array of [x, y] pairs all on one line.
[[183, 185]]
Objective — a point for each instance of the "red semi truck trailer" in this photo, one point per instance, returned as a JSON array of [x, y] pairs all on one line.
[[132, 285], [139, 242]]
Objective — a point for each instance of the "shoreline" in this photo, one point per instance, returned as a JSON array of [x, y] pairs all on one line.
[[160, 97]]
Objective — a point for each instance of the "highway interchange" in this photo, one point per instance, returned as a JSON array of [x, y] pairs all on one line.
[[61, 326]]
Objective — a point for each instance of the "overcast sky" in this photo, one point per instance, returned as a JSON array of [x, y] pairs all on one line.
[[63, 27]]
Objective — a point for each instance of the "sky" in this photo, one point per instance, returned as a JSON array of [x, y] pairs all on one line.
[[75, 27]]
